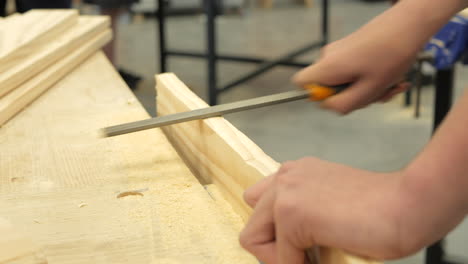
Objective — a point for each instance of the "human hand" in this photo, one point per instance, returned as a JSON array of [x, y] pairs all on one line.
[[378, 55], [312, 202], [369, 61]]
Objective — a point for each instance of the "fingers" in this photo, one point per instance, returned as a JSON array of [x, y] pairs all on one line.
[[259, 237], [358, 95], [252, 195], [399, 88], [255, 192], [286, 214], [288, 253]]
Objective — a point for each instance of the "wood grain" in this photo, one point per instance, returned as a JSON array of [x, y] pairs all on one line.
[[60, 181], [38, 57], [18, 33], [16, 247]]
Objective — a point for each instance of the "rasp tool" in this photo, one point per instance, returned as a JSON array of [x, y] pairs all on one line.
[[313, 92]]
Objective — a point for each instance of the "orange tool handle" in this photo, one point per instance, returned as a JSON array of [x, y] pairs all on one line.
[[320, 92]]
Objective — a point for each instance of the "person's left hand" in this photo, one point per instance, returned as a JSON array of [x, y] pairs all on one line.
[[312, 202]]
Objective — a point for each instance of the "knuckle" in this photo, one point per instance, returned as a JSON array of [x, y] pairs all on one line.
[[285, 179], [245, 241], [286, 207], [250, 196], [286, 166]]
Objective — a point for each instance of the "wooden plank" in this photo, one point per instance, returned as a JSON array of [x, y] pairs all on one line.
[[22, 32], [41, 56], [19, 98], [60, 181], [219, 153]]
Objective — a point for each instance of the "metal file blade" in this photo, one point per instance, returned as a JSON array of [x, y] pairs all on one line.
[[208, 112]]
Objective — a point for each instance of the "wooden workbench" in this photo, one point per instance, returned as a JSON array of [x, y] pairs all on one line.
[[60, 182], [67, 195]]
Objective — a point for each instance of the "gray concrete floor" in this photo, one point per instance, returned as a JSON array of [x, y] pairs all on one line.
[[382, 137]]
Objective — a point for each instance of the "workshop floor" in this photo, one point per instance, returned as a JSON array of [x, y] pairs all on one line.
[[382, 137]]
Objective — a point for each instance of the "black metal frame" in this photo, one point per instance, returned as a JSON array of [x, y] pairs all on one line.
[[212, 9], [444, 84]]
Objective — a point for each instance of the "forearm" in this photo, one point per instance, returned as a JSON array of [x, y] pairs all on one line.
[[414, 22], [436, 182]]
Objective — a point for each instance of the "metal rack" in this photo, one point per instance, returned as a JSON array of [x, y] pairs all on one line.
[[444, 84], [213, 9]]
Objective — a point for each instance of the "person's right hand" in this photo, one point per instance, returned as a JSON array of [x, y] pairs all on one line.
[[370, 69], [372, 60]]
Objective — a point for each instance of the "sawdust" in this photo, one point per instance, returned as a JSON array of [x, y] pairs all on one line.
[[190, 219], [17, 179], [131, 101], [130, 193], [81, 205]]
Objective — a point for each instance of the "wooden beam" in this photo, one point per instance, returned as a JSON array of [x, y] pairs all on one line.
[[219, 153], [36, 58], [21, 32], [26, 93]]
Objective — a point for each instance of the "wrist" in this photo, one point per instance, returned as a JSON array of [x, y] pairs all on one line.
[[428, 209]]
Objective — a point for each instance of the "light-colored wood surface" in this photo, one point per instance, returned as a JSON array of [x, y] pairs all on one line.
[[219, 153], [16, 247], [214, 149], [19, 32], [36, 58], [26, 93], [60, 182]]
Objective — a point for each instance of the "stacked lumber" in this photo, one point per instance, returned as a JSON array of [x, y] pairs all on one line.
[[39, 48]]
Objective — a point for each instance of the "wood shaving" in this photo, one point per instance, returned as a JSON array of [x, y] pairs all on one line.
[[131, 101], [81, 205], [16, 179], [131, 193]]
